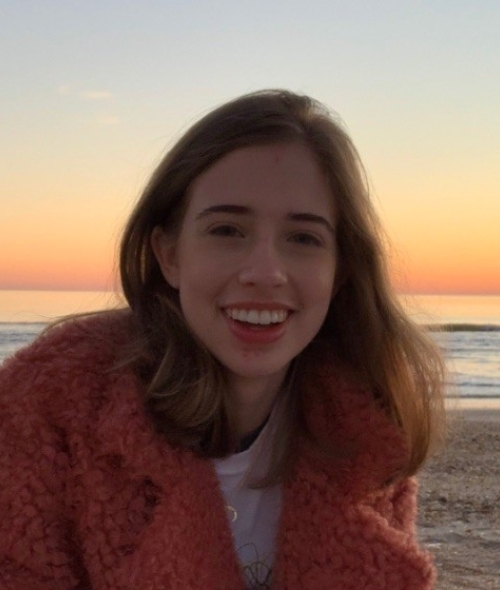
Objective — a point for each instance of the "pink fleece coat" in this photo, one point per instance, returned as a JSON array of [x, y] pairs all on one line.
[[92, 498]]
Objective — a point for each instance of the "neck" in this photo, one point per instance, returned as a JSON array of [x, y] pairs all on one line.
[[255, 399]]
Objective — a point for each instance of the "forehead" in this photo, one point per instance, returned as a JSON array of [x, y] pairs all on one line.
[[282, 174]]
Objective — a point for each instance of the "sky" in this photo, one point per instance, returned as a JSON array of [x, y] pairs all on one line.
[[92, 93]]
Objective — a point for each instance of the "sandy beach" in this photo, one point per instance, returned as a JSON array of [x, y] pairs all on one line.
[[459, 513]]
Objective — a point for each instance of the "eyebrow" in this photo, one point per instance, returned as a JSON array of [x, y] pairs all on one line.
[[313, 218], [242, 210], [237, 209]]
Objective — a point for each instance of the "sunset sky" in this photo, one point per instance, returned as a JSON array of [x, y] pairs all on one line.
[[93, 92]]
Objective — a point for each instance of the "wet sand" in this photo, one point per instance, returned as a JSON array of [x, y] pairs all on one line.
[[459, 512]]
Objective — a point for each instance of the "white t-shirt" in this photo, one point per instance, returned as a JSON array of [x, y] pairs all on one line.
[[253, 513]]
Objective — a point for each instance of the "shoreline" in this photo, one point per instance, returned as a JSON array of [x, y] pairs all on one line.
[[487, 414], [478, 412], [459, 502]]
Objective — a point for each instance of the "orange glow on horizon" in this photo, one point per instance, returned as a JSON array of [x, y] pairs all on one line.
[[58, 275], [81, 273], [443, 275]]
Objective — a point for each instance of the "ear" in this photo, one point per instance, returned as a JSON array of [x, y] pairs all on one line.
[[165, 250]]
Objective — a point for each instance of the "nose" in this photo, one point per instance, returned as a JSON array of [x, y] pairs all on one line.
[[263, 266]]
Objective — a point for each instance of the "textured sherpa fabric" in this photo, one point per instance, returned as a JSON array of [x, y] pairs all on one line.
[[92, 498]]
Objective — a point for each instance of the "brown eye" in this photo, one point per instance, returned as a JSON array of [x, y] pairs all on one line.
[[225, 231], [306, 239]]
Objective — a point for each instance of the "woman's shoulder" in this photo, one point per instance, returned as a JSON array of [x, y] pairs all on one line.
[[78, 338], [346, 419], [74, 356]]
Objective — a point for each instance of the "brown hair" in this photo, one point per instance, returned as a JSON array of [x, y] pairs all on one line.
[[186, 391]]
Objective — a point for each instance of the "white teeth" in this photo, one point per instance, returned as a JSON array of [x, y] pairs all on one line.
[[265, 318], [253, 316]]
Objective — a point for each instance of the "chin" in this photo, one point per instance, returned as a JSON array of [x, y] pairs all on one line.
[[249, 370]]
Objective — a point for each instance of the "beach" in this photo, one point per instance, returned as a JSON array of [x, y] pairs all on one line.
[[459, 510]]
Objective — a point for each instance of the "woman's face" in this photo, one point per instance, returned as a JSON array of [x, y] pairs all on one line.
[[255, 259]]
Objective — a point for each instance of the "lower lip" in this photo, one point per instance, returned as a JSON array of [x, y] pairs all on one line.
[[251, 334]]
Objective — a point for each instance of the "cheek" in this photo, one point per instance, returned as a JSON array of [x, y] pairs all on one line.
[[320, 283], [198, 286], [192, 263]]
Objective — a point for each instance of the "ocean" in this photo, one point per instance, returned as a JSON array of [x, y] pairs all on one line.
[[470, 341]]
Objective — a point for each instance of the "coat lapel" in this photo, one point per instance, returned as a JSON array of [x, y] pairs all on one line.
[[175, 533], [189, 543], [335, 532]]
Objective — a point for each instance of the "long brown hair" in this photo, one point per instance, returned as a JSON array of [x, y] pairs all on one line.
[[186, 391]]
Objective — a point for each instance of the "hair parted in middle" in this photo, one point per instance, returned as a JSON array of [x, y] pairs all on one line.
[[365, 328]]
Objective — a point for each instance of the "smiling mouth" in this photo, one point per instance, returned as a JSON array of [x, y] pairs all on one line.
[[257, 317]]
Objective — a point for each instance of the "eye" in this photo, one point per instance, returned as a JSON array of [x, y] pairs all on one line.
[[224, 230], [306, 239]]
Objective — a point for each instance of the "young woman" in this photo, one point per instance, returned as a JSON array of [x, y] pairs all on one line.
[[254, 416]]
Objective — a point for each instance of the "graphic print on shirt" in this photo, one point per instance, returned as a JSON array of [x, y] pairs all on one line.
[[257, 571]]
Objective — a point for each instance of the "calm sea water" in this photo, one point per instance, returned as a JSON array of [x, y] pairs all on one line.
[[471, 345]]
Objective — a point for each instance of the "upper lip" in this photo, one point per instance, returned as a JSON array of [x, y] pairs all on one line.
[[258, 305]]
